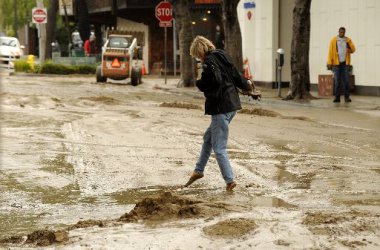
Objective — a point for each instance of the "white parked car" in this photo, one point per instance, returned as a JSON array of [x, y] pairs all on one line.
[[10, 50]]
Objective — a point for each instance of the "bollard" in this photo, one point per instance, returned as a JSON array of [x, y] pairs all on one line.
[[31, 61]]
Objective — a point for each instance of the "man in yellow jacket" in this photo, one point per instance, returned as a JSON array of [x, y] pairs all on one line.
[[339, 59]]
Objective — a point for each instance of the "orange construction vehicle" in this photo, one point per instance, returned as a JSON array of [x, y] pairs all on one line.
[[120, 58]]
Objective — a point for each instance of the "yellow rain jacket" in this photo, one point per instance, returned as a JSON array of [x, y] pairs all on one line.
[[333, 58]]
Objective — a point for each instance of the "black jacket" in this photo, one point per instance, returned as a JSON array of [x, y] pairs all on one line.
[[218, 83]]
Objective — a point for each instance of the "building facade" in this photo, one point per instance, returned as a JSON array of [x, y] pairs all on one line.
[[138, 17], [267, 25]]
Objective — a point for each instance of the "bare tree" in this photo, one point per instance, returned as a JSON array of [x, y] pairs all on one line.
[[185, 35], [300, 76], [232, 33], [50, 27]]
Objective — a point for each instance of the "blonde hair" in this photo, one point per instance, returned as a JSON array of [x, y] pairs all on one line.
[[200, 47]]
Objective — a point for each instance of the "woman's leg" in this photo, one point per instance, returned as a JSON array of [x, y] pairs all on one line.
[[205, 152], [219, 138]]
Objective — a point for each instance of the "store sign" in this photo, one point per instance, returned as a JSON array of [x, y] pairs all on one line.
[[68, 4], [249, 5]]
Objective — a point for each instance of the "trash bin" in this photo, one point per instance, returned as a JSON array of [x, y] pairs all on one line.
[[326, 85]]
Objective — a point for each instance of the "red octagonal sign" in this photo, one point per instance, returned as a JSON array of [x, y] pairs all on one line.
[[39, 15], [164, 12]]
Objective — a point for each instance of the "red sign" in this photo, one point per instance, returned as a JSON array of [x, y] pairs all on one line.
[[165, 24], [164, 13], [39, 15]]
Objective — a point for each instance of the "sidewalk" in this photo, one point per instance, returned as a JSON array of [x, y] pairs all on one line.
[[270, 98], [358, 101]]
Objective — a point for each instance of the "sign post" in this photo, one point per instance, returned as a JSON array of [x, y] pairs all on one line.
[[164, 13], [39, 16]]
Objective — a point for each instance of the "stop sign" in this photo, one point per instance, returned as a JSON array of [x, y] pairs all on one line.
[[39, 15], [164, 12]]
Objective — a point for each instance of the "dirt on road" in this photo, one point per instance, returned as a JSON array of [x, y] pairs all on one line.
[[102, 166]]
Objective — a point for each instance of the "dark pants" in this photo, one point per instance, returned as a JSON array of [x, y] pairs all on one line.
[[341, 71]]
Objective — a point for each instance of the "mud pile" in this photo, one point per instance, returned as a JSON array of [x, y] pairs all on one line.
[[157, 208], [180, 105], [164, 206], [47, 237], [12, 240], [88, 223], [259, 112], [232, 228], [38, 238], [344, 223]]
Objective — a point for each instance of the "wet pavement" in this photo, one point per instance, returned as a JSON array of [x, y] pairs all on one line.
[[73, 150]]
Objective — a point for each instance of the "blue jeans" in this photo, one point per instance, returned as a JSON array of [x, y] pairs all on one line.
[[341, 71], [215, 138]]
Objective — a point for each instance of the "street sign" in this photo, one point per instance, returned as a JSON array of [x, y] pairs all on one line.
[[39, 15], [165, 24], [164, 13]]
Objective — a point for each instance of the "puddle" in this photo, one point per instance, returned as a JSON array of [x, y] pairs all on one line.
[[102, 99], [272, 202], [376, 170], [69, 194], [18, 223], [133, 113], [302, 181], [359, 200], [282, 146], [240, 155], [300, 118], [58, 165]]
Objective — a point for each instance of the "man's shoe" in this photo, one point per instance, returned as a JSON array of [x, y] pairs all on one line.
[[195, 176], [347, 100], [230, 186], [336, 100]]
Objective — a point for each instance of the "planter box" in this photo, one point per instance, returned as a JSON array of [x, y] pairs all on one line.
[[326, 85]]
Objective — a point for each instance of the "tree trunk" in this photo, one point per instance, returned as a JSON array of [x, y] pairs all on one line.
[[50, 27], [15, 18], [300, 77], [232, 33], [83, 20], [185, 34]]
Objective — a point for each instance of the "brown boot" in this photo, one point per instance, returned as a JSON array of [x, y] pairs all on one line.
[[230, 186], [195, 176]]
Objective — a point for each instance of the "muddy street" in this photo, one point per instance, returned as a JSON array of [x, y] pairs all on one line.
[[77, 156]]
